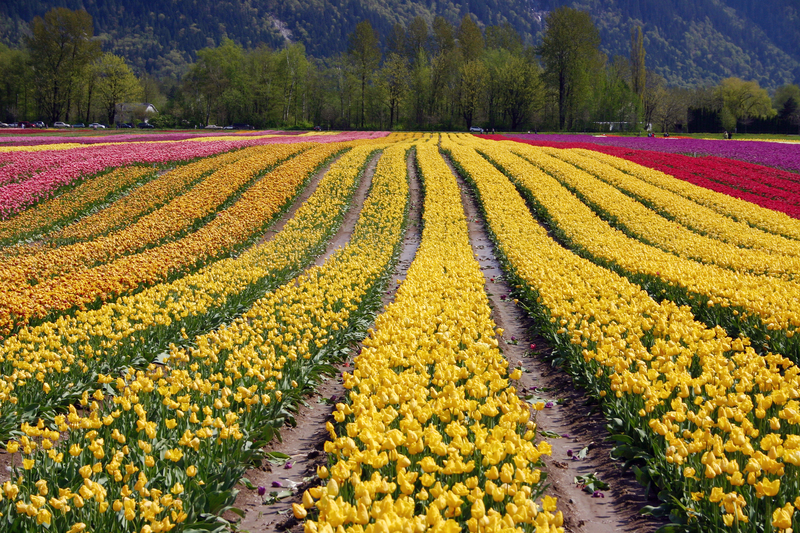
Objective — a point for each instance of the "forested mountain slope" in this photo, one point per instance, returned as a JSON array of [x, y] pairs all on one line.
[[689, 42], [160, 36], [692, 42]]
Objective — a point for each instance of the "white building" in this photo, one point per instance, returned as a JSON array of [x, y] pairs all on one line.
[[134, 112]]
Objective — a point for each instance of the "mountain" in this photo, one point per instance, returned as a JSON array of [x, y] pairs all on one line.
[[689, 42], [696, 42], [161, 36]]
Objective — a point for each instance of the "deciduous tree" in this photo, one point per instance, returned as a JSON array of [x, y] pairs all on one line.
[[638, 72], [16, 91], [217, 77], [470, 39], [394, 76], [366, 54], [61, 47], [742, 100], [570, 46], [472, 79], [787, 103], [416, 38], [115, 83]]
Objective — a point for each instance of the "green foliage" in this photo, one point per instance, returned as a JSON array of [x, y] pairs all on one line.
[[702, 42], [165, 121], [115, 84], [570, 45], [163, 39], [787, 103], [431, 67], [743, 100], [61, 48]]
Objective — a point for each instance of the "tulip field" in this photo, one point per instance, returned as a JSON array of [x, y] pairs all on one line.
[[168, 301]]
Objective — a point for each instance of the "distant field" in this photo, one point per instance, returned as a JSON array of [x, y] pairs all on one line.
[[444, 327]]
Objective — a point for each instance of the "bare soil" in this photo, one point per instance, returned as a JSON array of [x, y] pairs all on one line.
[[570, 414], [304, 442], [7, 461]]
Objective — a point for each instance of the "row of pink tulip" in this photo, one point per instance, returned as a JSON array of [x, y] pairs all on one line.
[[27, 140], [26, 180]]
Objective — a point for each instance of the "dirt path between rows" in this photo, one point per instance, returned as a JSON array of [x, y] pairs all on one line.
[[568, 414], [304, 443]]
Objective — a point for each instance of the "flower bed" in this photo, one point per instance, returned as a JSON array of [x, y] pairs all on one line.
[[754, 183], [697, 413], [433, 437], [771, 154], [178, 438], [642, 223], [762, 308], [704, 220], [26, 180], [49, 214], [224, 179], [70, 352], [229, 231], [141, 201]]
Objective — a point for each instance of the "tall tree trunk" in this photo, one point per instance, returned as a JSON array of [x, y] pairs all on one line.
[[363, 91]]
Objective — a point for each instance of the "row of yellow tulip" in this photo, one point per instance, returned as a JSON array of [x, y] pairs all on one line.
[[747, 212], [764, 308], [172, 442], [228, 177], [433, 437], [707, 418], [687, 212], [645, 225], [53, 363], [64, 208], [230, 230]]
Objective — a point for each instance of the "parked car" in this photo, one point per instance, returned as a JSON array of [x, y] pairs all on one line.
[[145, 125], [213, 127], [60, 124], [97, 125], [39, 124], [476, 129], [25, 124], [126, 125], [317, 128], [239, 126], [4, 125], [79, 125]]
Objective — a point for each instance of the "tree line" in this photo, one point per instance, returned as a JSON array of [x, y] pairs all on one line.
[[438, 76]]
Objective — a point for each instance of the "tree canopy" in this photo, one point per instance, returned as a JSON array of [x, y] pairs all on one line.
[[569, 48]]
